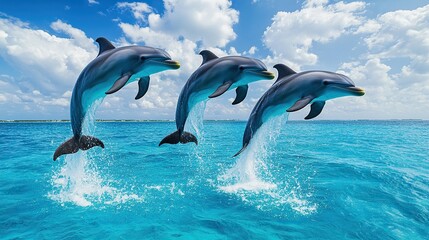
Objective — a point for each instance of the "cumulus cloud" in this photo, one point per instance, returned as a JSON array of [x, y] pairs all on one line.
[[139, 9], [402, 34], [183, 30], [33, 105], [49, 64], [394, 67], [401, 91], [292, 34], [189, 19], [384, 97]]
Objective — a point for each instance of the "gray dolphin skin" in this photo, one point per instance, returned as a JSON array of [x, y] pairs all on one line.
[[214, 77], [293, 91], [111, 70]]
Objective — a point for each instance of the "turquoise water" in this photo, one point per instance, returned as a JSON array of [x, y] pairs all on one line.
[[315, 179]]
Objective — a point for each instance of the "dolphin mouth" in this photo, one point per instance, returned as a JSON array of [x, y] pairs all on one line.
[[167, 62], [264, 74], [171, 63], [355, 91]]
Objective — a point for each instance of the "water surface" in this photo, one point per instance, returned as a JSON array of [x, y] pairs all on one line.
[[312, 179]]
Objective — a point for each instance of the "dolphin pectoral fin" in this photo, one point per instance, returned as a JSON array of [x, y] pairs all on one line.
[[316, 109], [119, 84], [221, 90], [241, 150], [143, 87], [241, 94], [300, 104], [175, 138], [69, 146], [104, 45], [87, 142]]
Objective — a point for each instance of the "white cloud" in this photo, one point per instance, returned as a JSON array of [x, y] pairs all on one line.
[[292, 34], [394, 69], [401, 91], [48, 63], [370, 26], [182, 31], [91, 2], [139, 9], [403, 34], [38, 106], [384, 98], [252, 50], [208, 21]]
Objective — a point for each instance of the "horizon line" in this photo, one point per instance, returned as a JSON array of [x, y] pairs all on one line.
[[211, 120]]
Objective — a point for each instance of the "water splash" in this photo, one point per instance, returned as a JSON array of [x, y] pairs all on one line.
[[195, 121], [195, 125], [79, 180], [251, 179]]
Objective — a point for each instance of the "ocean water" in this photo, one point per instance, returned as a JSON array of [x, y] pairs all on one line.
[[298, 180]]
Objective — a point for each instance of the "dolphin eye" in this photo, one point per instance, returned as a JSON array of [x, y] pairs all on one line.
[[142, 58], [241, 68], [325, 82]]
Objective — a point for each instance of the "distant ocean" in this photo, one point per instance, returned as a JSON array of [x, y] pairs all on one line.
[[310, 180]]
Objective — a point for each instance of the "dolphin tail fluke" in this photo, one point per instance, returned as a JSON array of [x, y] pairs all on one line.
[[87, 142], [241, 150], [68, 147], [188, 137], [176, 137], [72, 145]]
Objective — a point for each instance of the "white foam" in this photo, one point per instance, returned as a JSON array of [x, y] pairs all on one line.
[[250, 178], [79, 181], [171, 188], [254, 186]]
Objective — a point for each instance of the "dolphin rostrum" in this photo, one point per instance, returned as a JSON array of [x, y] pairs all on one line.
[[214, 77], [293, 91], [111, 70]]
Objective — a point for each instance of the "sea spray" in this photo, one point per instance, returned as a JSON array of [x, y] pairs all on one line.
[[251, 171], [195, 122], [79, 180], [200, 156], [195, 125], [252, 180]]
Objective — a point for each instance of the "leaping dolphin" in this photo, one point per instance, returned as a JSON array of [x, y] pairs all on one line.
[[214, 77], [293, 91], [111, 70]]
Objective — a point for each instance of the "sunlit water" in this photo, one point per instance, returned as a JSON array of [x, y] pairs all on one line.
[[312, 179]]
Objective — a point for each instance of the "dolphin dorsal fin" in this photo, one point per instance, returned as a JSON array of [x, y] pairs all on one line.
[[207, 56], [283, 71], [104, 45]]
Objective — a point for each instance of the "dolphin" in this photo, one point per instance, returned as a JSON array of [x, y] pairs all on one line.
[[214, 77], [293, 91], [111, 70]]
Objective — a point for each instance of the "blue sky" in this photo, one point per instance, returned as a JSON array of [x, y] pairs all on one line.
[[382, 45]]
